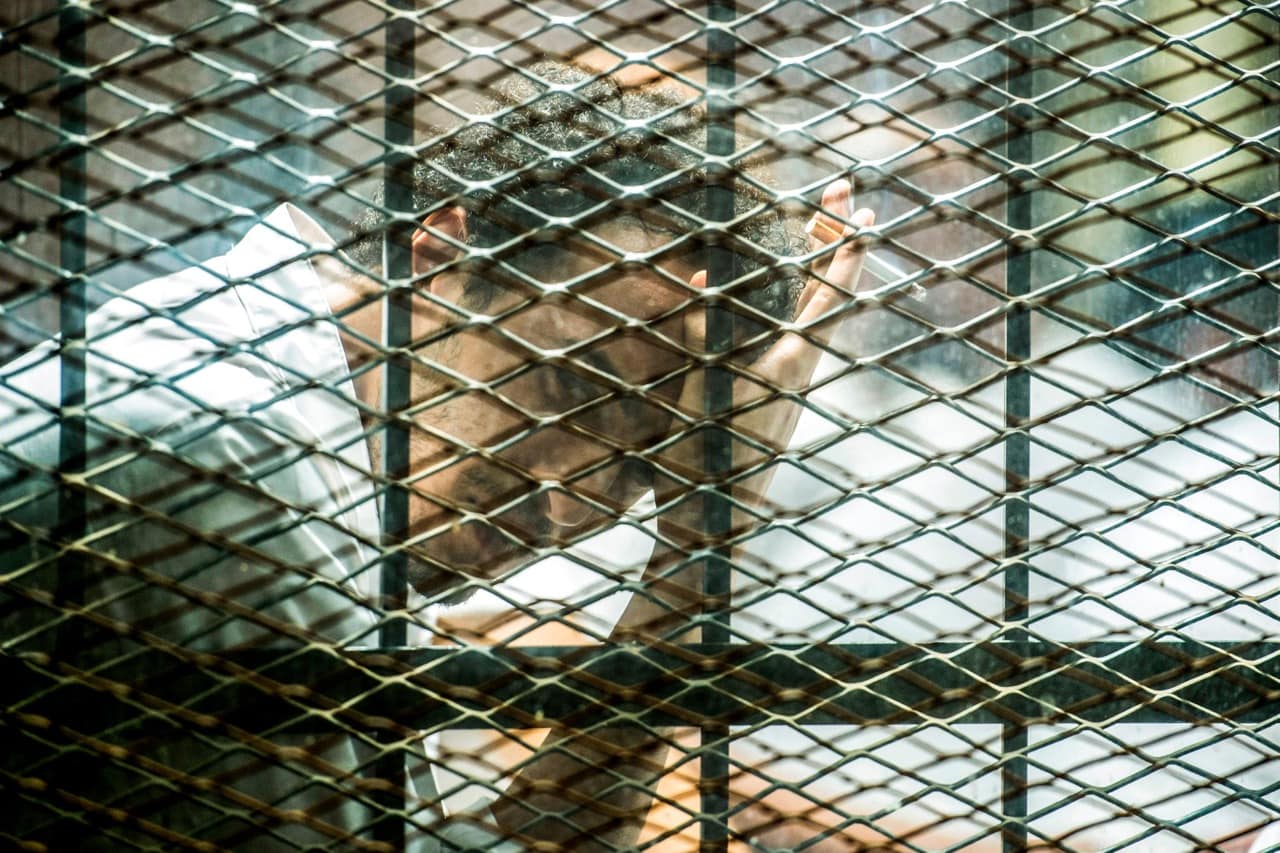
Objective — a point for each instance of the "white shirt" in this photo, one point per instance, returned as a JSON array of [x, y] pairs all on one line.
[[230, 506]]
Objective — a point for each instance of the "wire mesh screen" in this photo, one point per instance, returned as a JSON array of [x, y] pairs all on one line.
[[740, 426]]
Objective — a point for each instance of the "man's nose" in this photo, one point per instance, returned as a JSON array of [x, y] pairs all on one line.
[[565, 462]]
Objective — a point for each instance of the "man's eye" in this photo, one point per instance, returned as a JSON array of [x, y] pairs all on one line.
[[574, 389], [637, 472], [633, 405], [549, 390]]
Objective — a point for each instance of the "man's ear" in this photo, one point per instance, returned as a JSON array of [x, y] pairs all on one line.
[[430, 248]]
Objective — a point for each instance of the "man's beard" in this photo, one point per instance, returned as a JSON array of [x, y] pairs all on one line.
[[426, 576]]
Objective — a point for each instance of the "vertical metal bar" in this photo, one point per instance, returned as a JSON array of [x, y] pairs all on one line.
[[1017, 447], [397, 268], [718, 448], [72, 310], [1269, 244]]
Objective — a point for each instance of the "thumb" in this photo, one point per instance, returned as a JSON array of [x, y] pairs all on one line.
[[695, 344], [695, 317]]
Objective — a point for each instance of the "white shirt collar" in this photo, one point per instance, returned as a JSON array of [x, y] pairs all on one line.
[[272, 263]]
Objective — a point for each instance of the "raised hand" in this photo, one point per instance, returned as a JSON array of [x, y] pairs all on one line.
[[761, 414]]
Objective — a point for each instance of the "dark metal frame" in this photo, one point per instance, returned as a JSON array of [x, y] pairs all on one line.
[[717, 514], [72, 311], [1017, 448], [397, 264]]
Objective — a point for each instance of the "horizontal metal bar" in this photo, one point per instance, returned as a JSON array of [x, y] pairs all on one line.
[[582, 686]]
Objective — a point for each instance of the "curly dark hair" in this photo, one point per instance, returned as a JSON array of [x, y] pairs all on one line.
[[561, 144]]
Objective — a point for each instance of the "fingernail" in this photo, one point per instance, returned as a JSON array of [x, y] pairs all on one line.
[[810, 225]]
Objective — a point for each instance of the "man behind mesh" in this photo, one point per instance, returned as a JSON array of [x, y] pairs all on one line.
[[234, 409]]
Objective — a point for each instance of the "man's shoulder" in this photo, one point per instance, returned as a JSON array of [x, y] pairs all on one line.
[[201, 360], [271, 256]]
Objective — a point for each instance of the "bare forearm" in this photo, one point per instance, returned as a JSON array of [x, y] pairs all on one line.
[[592, 790], [586, 790]]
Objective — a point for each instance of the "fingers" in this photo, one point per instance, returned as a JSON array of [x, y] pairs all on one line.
[[695, 342], [828, 223], [695, 319], [846, 262], [826, 292], [791, 361], [835, 223], [685, 455]]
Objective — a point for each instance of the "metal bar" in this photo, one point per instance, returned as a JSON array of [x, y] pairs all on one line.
[[718, 449], [72, 311], [1270, 244], [857, 684], [1017, 448], [397, 267]]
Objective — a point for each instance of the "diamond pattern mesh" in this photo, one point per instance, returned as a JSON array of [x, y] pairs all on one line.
[[576, 465]]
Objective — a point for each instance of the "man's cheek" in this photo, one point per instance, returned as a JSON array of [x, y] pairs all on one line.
[[425, 511], [527, 524], [477, 418]]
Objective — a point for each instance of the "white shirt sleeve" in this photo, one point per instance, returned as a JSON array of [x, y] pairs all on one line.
[[1268, 841]]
